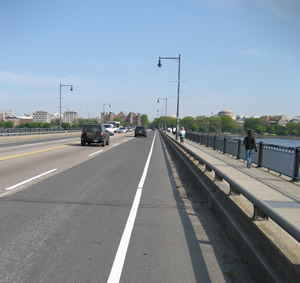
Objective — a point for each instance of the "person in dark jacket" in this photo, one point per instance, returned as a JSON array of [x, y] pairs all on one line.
[[250, 144]]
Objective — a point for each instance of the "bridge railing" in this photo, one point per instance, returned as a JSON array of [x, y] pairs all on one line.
[[260, 208], [281, 159], [34, 131]]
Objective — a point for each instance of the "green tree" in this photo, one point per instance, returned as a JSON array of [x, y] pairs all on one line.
[[228, 124], [9, 124], [271, 130], [2, 124], [65, 125], [145, 121], [293, 128], [195, 128], [46, 125], [260, 129], [281, 131], [187, 122], [215, 124], [203, 123]]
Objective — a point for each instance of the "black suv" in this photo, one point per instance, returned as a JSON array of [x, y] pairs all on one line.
[[94, 134], [140, 131]]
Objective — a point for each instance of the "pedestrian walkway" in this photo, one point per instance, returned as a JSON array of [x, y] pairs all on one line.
[[277, 191]]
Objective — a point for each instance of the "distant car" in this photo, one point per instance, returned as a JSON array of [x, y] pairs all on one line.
[[110, 128], [94, 134], [140, 131], [122, 130], [130, 130]]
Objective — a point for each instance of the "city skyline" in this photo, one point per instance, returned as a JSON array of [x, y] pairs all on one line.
[[237, 55]]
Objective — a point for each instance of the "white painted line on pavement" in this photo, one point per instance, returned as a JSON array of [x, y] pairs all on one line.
[[95, 152], [116, 271], [125, 140], [29, 180], [116, 144]]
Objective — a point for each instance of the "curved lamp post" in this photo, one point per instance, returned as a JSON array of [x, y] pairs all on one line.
[[60, 86], [104, 104], [166, 99], [178, 89]]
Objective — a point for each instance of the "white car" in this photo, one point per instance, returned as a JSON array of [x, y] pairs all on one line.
[[110, 128], [122, 130]]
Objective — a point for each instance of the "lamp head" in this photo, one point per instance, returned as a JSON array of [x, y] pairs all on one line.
[[158, 100], [159, 63], [71, 89]]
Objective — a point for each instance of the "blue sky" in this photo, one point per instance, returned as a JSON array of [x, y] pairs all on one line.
[[242, 55]]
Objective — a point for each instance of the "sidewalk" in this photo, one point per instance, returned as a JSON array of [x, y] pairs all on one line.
[[277, 191]]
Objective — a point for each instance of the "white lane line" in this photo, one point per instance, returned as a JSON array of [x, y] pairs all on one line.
[[117, 268], [29, 180], [116, 144], [125, 140], [95, 152]]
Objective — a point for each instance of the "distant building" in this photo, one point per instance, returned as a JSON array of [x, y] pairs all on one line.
[[104, 117], [279, 119], [54, 116], [2, 116], [41, 116], [132, 118], [70, 117], [227, 113], [25, 119]]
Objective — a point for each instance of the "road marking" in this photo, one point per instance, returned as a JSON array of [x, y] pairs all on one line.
[[116, 144], [95, 152], [117, 268], [29, 180], [32, 152], [125, 140]]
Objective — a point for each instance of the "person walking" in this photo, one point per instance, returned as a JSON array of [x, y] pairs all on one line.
[[182, 134], [250, 144]]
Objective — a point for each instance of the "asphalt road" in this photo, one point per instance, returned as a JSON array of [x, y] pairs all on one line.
[[125, 212]]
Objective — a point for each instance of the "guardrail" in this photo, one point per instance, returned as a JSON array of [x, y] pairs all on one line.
[[34, 131], [261, 209], [281, 159]]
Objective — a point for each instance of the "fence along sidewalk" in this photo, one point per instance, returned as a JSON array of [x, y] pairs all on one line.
[[281, 159]]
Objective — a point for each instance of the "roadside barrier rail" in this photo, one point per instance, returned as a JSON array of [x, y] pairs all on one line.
[[262, 210], [281, 159], [34, 131]]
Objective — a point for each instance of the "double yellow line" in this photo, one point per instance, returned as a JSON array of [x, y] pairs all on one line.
[[32, 152]]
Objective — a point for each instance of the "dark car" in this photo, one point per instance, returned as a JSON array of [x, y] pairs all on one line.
[[94, 134], [140, 131]]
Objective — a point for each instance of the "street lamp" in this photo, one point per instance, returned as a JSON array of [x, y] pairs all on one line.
[[60, 86], [178, 89], [104, 110], [166, 99]]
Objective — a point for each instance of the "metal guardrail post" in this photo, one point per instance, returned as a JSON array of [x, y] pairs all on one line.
[[239, 144], [233, 191], [224, 147], [260, 154], [215, 139], [207, 140], [295, 173], [258, 214]]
